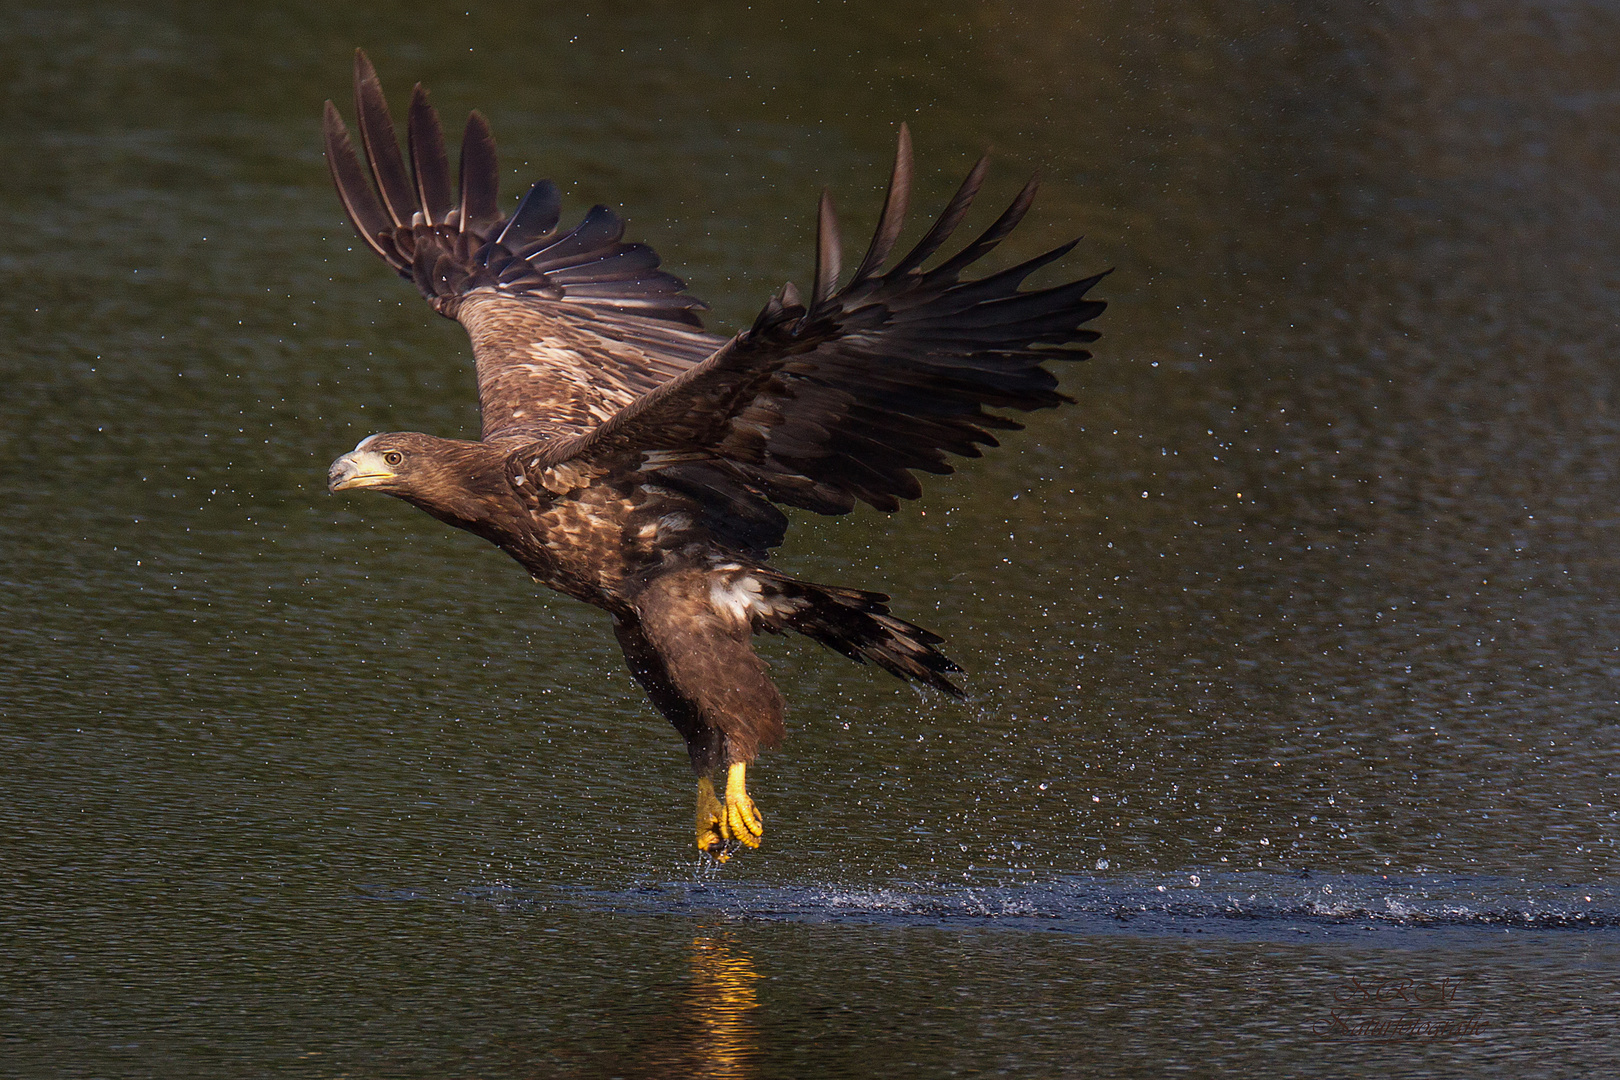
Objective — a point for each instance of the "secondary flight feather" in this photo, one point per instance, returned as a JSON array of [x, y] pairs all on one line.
[[637, 463]]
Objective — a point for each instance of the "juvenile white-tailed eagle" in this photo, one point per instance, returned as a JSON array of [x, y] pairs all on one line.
[[634, 462]]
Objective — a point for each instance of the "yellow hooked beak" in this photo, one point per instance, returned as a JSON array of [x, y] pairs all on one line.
[[358, 469]]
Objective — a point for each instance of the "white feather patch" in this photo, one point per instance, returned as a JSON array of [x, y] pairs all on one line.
[[742, 596], [735, 596]]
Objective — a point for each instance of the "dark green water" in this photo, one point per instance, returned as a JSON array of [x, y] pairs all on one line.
[[1294, 650]]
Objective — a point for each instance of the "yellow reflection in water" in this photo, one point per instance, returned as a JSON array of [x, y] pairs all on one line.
[[722, 1001]]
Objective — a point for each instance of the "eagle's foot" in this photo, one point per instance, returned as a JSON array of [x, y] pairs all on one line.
[[711, 821], [723, 826], [743, 822]]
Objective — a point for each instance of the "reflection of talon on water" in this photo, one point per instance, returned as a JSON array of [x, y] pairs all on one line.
[[722, 999]]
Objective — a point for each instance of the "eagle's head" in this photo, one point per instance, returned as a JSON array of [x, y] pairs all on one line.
[[415, 466], [387, 462], [453, 480]]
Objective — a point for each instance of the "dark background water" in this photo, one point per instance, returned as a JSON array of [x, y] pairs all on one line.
[[1292, 649]]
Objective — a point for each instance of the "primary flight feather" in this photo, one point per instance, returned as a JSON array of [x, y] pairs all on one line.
[[636, 463]]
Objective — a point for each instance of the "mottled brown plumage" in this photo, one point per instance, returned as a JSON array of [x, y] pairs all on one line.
[[635, 462]]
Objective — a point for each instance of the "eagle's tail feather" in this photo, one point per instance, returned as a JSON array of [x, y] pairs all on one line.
[[856, 623]]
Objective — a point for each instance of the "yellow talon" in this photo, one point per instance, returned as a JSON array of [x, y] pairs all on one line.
[[711, 821], [735, 820], [742, 816]]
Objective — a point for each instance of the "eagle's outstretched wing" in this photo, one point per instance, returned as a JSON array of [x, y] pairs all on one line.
[[834, 400], [567, 328]]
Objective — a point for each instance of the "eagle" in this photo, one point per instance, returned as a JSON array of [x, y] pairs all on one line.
[[633, 461]]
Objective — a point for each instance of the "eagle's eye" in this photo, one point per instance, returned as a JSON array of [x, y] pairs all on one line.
[[394, 458]]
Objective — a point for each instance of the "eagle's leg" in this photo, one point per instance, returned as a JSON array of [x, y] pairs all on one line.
[[742, 816], [699, 667]]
